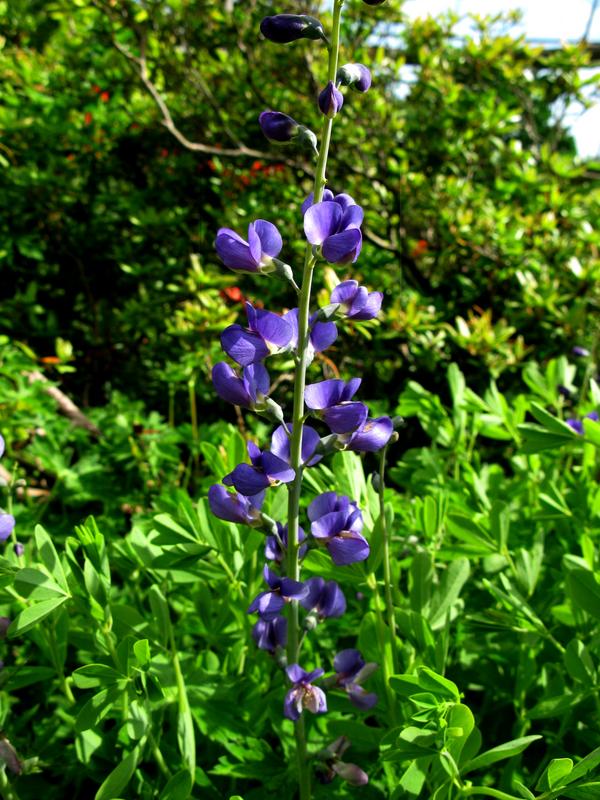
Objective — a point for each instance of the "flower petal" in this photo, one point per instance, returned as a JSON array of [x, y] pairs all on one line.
[[234, 252], [7, 523], [374, 435], [321, 221], [254, 243], [348, 549], [370, 309], [344, 293], [247, 480], [310, 441], [323, 504], [231, 507], [324, 394], [343, 247], [256, 380], [274, 329], [229, 386], [323, 335], [328, 525], [348, 662], [352, 218], [270, 238], [244, 347], [277, 469], [346, 417]]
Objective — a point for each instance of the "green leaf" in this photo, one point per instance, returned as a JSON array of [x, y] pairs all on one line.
[[552, 424], [584, 590], [590, 762], [585, 791], [141, 650], [506, 750], [32, 615], [578, 662], [448, 592], [19, 677], [437, 684], [118, 779], [49, 557], [178, 787], [554, 774], [37, 585], [98, 706], [160, 612], [93, 675]]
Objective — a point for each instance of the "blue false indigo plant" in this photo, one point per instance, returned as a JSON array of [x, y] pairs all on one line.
[[332, 227]]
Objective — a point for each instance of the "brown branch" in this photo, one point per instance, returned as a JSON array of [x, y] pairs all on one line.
[[65, 405]]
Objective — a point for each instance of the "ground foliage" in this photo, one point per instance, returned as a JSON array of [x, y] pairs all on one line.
[[129, 665]]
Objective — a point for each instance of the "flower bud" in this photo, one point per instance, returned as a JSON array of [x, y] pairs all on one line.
[[278, 127], [355, 75], [373, 2], [284, 28], [330, 100]]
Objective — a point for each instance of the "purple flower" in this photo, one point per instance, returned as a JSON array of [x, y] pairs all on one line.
[[269, 604], [334, 225], [581, 352], [278, 127], [322, 334], [249, 391], [269, 634], [235, 507], [351, 670], [255, 255], [577, 424], [332, 399], [324, 597], [330, 100], [265, 470], [332, 765], [281, 443], [303, 694], [273, 551], [19, 549], [7, 523], [337, 522], [284, 28], [2, 445], [266, 333], [356, 302], [371, 436], [355, 75]]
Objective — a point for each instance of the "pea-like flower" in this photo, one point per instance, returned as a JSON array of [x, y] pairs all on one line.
[[322, 334], [270, 634], [324, 597], [330, 100], [334, 225], [577, 424], [356, 76], [356, 302], [331, 400], [331, 764], [285, 28], [303, 695], [265, 470], [283, 129], [257, 254], [337, 523], [370, 437], [281, 444], [269, 604], [248, 391], [267, 333], [7, 524], [234, 507], [351, 669], [273, 551]]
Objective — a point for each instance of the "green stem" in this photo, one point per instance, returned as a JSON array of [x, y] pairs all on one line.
[[6, 790], [387, 565], [293, 563], [194, 416], [381, 641]]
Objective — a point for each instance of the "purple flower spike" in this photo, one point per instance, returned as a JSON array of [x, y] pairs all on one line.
[[267, 333], [249, 391], [7, 523], [355, 75], [351, 670], [235, 507], [335, 227], [270, 634], [257, 254], [372, 436], [280, 444], [337, 522], [324, 597], [273, 551], [330, 100], [356, 302], [269, 604], [266, 470], [331, 400], [303, 695], [322, 334], [285, 28], [278, 127]]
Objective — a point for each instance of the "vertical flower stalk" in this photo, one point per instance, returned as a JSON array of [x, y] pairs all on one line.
[[295, 488]]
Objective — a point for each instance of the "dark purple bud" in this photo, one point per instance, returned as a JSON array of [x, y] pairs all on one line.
[[355, 75], [4, 624], [562, 390], [330, 100], [350, 773], [374, 2], [19, 549], [278, 127], [581, 352], [7, 523], [270, 634], [284, 28], [576, 424]]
